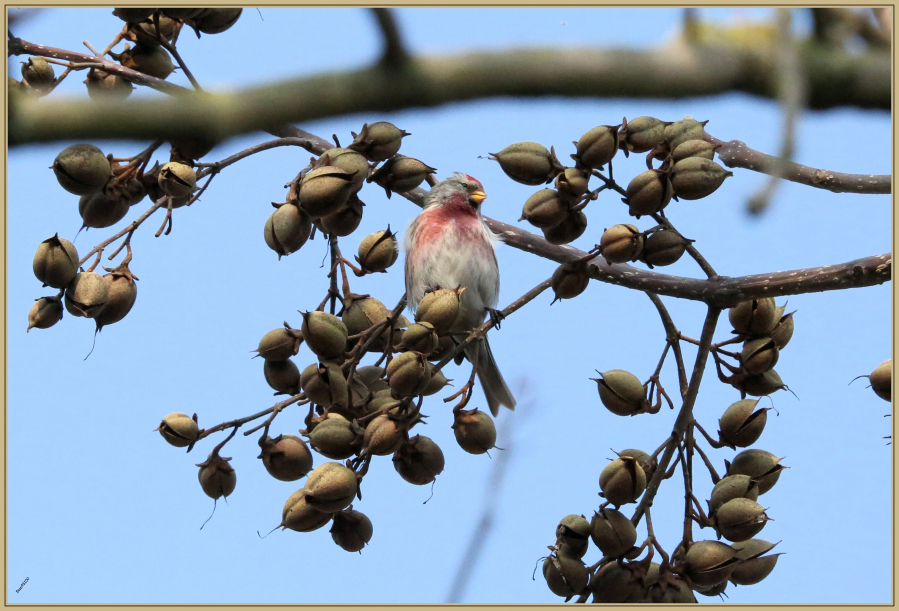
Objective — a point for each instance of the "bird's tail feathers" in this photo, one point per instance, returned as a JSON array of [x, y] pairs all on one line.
[[495, 388]]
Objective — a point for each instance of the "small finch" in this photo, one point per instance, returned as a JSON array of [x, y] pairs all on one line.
[[449, 246]]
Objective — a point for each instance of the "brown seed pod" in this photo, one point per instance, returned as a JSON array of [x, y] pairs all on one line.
[[401, 174], [570, 229], [217, 477], [179, 430], [102, 209], [378, 141], [684, 130], [663, 248], [545, 209], [708, 563], [621, 243], [300, 516], [474, 431], [351, 529], [444, 346], [622, 481], [44, 313], [570, 280], [564, 575], [759, 355], [647, 462], [324, 384], [755, 317], [105, 86], [86, 295], [325, 334], [149, 59], [120, 296], [573, 536], [613, 532], [345, 221], [761, 385], [420, 337], [377, 251], [282, 376], [334, 438], [695, 177], [438, 381], [740, 519], [741, 425], [783, 331], [732, 487], [440, 308], [621, 392], [177, 179], [38, 74], [648, 192], [762, 466], [754, 565], [572, 183], [597, 147], [644, 133], [383, 436], [362, 313], [882, 380], [216, 20], [408, 374], [419, 460], [693, 148], [55, 262], [286, 457], [331, 487], [350, 161], [82, 169], [614, 584], [287, 229], [529, 163], [325, 190], [280, 344], [145, 31]]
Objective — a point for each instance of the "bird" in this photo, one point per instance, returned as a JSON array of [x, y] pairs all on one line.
[[448, 245]]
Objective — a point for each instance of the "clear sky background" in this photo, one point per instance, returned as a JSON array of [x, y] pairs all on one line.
[[102, 510]]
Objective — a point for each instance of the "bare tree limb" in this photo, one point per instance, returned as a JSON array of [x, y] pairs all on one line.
[[395, 53]]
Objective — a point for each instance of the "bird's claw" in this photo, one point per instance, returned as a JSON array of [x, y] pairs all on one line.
[[496, 317]]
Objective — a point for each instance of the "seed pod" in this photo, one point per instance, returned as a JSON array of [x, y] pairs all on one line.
[[331, 487], [597, 147], [614, 584], [648, 192], [529, 163], [105, 86], [573, 536], [732, 487], [622, 481], [55, 262], [684, 130], [759, 355], [325, 190], [613, 532], [133, 14], [177, 179], [762, 466], [741, 424], [149, 59], [572, 183], [474, 430], [419, 460], [408, 374], [440, 308], [754, 566], [324, 384], [621, 392], [564, 575], [444, 346], [102, 209], [44, 313], [38, 74], [188, 149], [740, 519], [379, 400], [334, 438], [217, 476], [378, 141], [325, 334], [146, 33], [216, 20], [783, 331], [573, 227], [287, 229], [420, 337], [545, 209], [282, 376], [279, 344], [82, 169], [438, 381], [755, 317], [377, 251], [300, 516], [695, 177], [693, 148], [761, 385], [351, 529], [570, 280], [708, 563], [676, 592], [621, 243], [715, 590], [179, 430], [647, 462], [644, 133], [350, 161], [362, 313], [882, 380], [345, 221], [663, 248], [383, 436], [86, 295], [120, 296], [401, 174], [286, 457]]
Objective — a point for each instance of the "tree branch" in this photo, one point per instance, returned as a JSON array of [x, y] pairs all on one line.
[[394, 54]]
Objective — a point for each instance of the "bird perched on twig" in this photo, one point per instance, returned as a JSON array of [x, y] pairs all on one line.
[[449, 246]]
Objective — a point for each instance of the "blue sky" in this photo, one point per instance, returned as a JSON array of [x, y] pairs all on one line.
[[102, 510]]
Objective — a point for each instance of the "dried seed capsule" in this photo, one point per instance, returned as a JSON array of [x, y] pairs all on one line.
[[573, 227], [105, 86], [529, 163], [217, 476], [741, 424], [282, 376], [644, 133], [300, 516], [350, 161], [351, 530], [324, 384], [133, 14], [362, 314], [614, 584], [755, 317], [693, 148], [474, 430], [761, 385], [378, 141], [676, 592], [82, 169], [44, 313], [564, 575], [287, 229], [331, 487], [740, 519], [145, 31], [648, 192], [573, 536], [647, 462], [286, 457], [86, 295], [882, 380], [684, 130], [120, 296], [420, 337], [663, 248], [613, 532], [621, 392], [408, 374], [55, 262], [759, 355], [401, 174], [345, 221], [383, 436], [279, 344], [783, 331], [440, 308], [38, 74], [621, 243], [754, 566], [438, 381], [369, 375], [179, 430], [622, 481], [325, 334], [102, 209], [695, 177], [377, 251], [708, 563], [545, 209], [177, 179], [334, 438], [732, 487], [572, 183], [325, 190], [762, 466], [216, 20], [149, 59], [570, 280], [419, 460], [444, 346], [597, 147]]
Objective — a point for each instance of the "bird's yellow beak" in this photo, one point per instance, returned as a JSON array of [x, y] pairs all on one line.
[[478, 196]]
